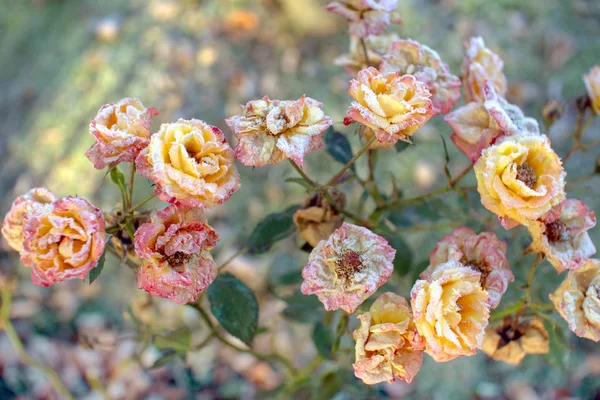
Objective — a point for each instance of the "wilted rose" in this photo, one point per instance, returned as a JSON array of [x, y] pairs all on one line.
[[393, 106], [577, 299], [272, 130], [561, 235], [388, 345], [191, 164], [520, 178], [346, 269], [451, 311], [592, 85], [12, 227], [318, 219], [510, 343], [425, 64], [121, 130], [63, 240], [481, 66], [367, 17], [484, 253], [174, 247], [476, 126]]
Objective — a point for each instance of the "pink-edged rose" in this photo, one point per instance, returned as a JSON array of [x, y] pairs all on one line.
[[121, 130], [191, 164], [562, 235], [411, 57], [270, 131], [174, 247], [346, 269], [63, 240], [481, 66], [12, 227], [367, 17], [484, 253]]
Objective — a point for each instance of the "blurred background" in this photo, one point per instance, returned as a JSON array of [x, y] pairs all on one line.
[[60, 60]]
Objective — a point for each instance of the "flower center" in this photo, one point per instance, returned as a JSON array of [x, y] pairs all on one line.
[[178, 259], [527, 175], [508, 334], [555, 231], [348, 264], [481, 268]]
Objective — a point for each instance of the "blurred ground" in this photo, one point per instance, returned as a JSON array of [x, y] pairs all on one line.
[[60, 60]]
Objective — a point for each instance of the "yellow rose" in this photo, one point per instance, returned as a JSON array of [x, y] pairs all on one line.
[[592, 84], [520, 179], [191, 163], [481, 66], [451, 311], [387, 343]]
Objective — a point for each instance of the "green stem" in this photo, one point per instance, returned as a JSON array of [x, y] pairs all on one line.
[[14, 339], [360, 152], [270, 357], [365, 51], [131, 181], [303, 174], [507, 311], [234, 256], [404, 202], [141, 203]]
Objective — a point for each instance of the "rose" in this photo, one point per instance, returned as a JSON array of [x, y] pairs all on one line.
[[63, 240], [520, 179], [121, 130], [510, 343], [393, 106], [577, 300], [411, 57], [592, 85], [344, 270], [12, 227], [451, 311], [484, 253], [561, 235], [273, 130], [367, 17], [174, 249], [318, 219], [481, 66], [387, 342], [191, 163]]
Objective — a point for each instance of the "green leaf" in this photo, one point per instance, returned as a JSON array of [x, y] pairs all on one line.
[[179, 340], [301, 308], [327, 386], [273, 228], [340, 331], [324, 338], [338, 146], [165, 358], [404, 256], [401, 146], [235, 307], [559, 351], [97, 270], [117, 177]]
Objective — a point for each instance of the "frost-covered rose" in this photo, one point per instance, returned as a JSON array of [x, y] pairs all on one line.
[[451, 311], [511, 344], [367, 17], [425, 64], [393, 106], [520, 179], [191, 163], [592, 85], [388, 345], [577, 299], [481, 66], [174, 247], [121, 130], [344, 270], [562, 235], [479, 125], [63, 240], [12, 227], [318, 219], [484, 253], [355, 59], [272, 130]]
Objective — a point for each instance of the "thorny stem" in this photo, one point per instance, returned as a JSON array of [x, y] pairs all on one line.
[[122, 258], [359, 153], [578, 133], [14, 339], [141, 203], [269, 357], [460, 176], [234, 256], [131, 180], [303, 174]]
